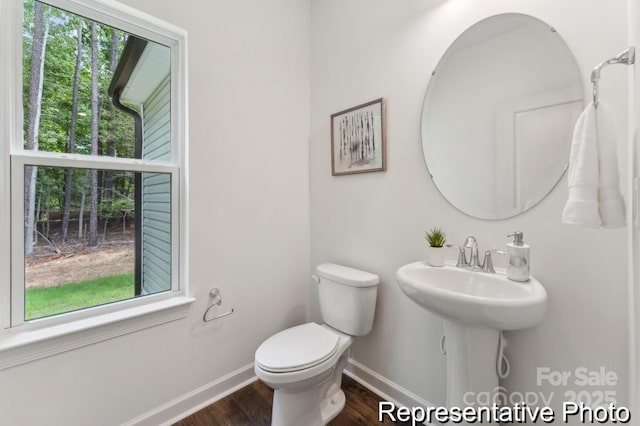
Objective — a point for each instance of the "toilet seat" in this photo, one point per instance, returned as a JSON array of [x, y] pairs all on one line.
[[297, 348]]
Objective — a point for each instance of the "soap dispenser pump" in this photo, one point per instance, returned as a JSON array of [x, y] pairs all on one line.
[[518, 254]]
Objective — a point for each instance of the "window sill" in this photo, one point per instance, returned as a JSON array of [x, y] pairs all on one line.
[[19, 346]]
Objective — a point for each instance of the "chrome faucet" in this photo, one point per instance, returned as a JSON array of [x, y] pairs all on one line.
[[471, 243], [474, 260]]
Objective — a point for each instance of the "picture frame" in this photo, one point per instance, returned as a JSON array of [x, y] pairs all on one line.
[[358, 139]]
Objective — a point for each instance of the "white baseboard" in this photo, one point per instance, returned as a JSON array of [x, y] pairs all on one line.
[[189, 403], [384, 387]]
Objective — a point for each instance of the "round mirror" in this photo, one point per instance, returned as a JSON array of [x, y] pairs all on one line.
[[498, 116]]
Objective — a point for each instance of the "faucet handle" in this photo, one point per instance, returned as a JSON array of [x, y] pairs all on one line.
[[487, 264], [462, 255]]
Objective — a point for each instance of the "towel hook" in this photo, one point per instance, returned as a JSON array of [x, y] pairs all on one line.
[[626, 57], [217, 301]]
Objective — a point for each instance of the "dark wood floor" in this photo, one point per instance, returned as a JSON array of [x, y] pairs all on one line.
[[251, 406]]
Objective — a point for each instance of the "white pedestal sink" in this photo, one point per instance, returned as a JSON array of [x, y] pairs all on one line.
[[476, 307]]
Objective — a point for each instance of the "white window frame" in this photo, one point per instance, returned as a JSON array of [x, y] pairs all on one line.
[[22, 341]]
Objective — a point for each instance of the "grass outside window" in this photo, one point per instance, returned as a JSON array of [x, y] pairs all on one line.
[[45, 301]]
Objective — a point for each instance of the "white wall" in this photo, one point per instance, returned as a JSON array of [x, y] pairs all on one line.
[[634, 160], [365, 49], [249, 128]]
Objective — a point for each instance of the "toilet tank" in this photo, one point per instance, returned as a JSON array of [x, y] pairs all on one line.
[[347, 298]]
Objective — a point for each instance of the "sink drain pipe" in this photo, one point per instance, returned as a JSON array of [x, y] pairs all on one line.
[[503, 368]]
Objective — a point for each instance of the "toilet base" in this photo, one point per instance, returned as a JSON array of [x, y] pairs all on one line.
[[295, 407], [310, 397], [331, 407]]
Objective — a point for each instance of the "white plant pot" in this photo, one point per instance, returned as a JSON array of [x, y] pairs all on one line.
[[436, 256]]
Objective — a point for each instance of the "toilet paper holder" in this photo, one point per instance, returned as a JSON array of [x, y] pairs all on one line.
[[217, 301]]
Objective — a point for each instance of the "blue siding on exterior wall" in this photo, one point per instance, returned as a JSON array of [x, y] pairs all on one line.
[[156, 192]]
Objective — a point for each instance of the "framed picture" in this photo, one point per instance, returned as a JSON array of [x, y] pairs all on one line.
[[358, 139]]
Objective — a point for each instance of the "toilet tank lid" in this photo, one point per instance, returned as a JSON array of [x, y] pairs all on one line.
[[346, 275]]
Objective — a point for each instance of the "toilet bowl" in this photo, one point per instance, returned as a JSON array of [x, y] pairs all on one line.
[[307, 384], [304, 364]]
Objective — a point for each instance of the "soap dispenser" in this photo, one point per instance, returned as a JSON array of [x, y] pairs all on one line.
[[518, 255]]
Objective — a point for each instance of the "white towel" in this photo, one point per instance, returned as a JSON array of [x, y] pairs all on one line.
[[609, 197], [594, 193]]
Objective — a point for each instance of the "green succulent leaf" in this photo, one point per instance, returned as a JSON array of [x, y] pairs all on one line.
[[436, 237]]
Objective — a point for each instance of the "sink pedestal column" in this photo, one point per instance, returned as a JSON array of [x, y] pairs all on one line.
[[471, 363]]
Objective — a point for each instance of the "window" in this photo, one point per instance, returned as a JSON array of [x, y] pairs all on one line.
[[94, 174]]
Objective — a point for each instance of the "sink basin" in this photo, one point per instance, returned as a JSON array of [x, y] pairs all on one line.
[[474, 298]]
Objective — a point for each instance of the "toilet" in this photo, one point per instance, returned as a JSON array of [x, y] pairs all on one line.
[[304, 364]]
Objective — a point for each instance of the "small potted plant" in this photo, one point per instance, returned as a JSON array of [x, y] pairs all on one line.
[[436, 239]]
